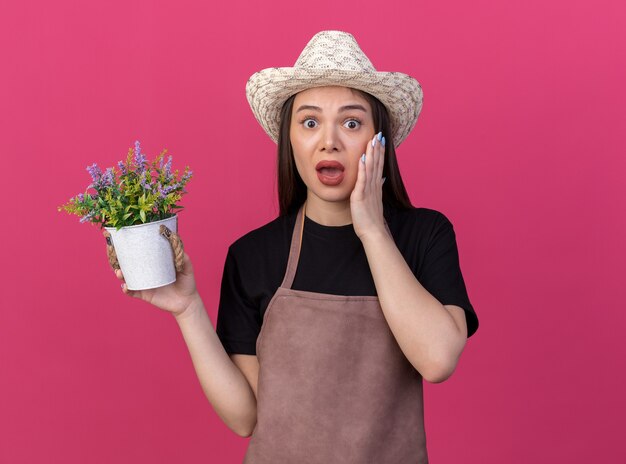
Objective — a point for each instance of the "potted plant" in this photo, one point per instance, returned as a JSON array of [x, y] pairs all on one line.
[[136, 204]]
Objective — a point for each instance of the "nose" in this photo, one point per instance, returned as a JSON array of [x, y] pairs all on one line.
[[330, 139]]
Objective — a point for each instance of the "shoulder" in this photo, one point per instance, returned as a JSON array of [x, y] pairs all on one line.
[[267, 238], [419, 220], [418, 213]]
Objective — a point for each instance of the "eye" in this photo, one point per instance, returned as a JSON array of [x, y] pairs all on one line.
[[352, 123], [310, 123]]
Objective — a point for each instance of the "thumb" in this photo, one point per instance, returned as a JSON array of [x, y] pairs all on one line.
[[187, 266]]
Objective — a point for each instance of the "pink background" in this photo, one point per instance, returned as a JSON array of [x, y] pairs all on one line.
[[520, 143]]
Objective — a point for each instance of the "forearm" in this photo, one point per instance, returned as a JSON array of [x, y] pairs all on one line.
[[425, 331], [223, 383]]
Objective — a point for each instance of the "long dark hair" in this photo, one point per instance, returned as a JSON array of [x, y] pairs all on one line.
[[292, 190]]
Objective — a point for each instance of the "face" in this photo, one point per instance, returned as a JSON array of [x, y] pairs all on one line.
[[330, 126]]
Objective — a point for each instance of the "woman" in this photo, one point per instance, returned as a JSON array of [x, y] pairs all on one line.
[[332, 314]]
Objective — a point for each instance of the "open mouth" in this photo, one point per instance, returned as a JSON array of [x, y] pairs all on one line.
[[330, 172]]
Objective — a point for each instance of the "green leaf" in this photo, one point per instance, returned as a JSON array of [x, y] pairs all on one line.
[[126, 216], [142, 213]]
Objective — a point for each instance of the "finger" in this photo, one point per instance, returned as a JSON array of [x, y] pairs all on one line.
[[133, 293], [378, 150], [119, 274], [359, 187], [381, 161], [187, 267], [370, 163]]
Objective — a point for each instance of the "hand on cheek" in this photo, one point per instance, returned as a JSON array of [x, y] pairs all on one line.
[[366, 200]]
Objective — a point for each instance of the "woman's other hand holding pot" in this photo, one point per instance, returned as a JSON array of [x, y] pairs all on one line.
[[176, 297], [223, 382]]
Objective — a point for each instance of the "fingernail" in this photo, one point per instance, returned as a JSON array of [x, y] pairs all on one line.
[[363, 158], [384, 179], [374, 142], [383, 141], [379, 136]]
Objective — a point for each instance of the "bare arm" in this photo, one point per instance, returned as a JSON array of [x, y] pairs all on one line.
[[228, 383], [223, 382], [431, 335], [248, 364]]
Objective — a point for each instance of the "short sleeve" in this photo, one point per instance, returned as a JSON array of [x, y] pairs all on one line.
[[441, 272], [238, 318]]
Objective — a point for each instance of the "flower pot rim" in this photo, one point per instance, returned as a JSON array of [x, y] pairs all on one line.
[[175, 216]]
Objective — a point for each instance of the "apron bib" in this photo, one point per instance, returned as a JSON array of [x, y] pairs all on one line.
[[334, 386]]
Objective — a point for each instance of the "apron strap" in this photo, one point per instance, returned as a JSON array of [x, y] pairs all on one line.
[[294, 251]]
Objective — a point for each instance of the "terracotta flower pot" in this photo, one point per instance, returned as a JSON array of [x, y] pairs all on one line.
[[144, 255]]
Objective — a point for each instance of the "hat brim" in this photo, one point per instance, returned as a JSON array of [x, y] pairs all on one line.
[[268, 89]]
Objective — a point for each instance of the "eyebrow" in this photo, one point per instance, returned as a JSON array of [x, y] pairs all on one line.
[[343, 108]]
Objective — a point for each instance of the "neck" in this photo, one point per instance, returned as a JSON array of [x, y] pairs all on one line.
[[328, 213]]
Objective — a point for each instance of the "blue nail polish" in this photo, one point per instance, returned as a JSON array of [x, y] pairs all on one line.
[[379, 136], [383, 141], [374, 142], [363, 158]]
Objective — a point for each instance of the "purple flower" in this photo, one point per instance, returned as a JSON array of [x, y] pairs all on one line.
[[140, 160], [168, 168], [100, 180], [81, 197], [87, 217], [165, 191], [95, 172], [186, 177], [107, 178], [122, 167], [145, 184]]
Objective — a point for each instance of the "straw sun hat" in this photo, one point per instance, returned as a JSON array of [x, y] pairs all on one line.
[[334, 58]]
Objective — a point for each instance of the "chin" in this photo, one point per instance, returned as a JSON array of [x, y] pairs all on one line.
[[332, 194]]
